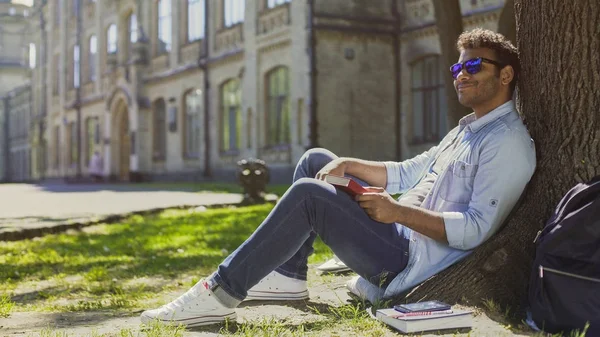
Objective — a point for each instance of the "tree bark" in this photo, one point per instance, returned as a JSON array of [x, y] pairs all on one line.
[[448, 19], [507, 25], [560, 101]]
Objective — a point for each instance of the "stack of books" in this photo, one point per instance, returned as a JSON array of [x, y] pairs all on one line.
[[425, 316]]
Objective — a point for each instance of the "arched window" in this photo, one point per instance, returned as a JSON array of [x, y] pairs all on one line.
[[233, 12], [159, 137], [231, 116], [92, 52], [193, 115], [164, 26], [111, 38], [429, 107], [278, 106]]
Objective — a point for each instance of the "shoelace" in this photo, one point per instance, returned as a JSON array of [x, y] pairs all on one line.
[[189, 295]]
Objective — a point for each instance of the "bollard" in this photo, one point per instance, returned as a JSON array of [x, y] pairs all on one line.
[[253, 175]]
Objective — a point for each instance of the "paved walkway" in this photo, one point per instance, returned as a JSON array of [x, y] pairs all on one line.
[[33, 208]]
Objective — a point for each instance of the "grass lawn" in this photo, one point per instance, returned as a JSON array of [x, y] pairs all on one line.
[[278, 189], [134, 265]]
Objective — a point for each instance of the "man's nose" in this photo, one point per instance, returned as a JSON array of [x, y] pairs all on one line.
[[463, 75]]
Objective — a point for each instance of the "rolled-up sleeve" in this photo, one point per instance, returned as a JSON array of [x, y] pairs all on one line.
[[403, 175], [505, 166]]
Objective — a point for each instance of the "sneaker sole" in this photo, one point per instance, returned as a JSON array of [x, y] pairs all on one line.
[[194, 321], [277, 296]]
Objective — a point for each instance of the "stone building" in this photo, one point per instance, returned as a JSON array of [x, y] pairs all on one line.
[[183, 89], [14, 71], [15, 109]]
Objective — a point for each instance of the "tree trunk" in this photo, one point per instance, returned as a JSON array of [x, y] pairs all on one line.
[[507, 25], [560, 100], [448, 19]]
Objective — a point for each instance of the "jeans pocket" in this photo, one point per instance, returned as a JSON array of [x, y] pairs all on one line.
[[383, 279]]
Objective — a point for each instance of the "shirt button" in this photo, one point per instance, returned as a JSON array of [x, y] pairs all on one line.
[[462, 167]]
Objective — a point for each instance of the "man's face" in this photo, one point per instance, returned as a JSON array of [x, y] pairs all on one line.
[[476, 89]]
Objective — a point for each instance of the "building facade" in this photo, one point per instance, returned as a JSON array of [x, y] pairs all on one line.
[[15, 109], [14, 71], [184, 89]]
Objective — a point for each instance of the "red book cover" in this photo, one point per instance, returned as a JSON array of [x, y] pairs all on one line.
[[346, 184]]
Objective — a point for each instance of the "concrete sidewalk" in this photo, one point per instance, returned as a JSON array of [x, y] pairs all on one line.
[[28, 210]]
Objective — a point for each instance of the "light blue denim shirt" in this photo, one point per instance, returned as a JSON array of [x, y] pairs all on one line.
[[492, 162]]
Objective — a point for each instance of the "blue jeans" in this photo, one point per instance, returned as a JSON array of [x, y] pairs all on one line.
[[284, 240]]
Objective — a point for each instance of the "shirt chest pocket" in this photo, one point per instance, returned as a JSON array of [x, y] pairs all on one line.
[[457, 183]]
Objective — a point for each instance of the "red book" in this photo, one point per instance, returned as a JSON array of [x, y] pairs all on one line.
[[346, 184]]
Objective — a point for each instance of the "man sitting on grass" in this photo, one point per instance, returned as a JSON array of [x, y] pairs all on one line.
[[456, 195]]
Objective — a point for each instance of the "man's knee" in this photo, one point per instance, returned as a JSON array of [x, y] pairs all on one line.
[[318, 156], [309, 187]]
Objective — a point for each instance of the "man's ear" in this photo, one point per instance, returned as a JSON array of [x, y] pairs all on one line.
[[507, 74]]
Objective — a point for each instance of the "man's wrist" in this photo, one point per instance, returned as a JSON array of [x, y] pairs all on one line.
[[400, 213]]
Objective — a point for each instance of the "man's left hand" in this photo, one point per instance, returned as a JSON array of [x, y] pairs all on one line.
[[379, 204]]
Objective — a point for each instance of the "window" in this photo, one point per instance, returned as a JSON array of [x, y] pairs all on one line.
[[274, 3], [76, 66], [278, 106], [56, 84], [72, 129], [159, 138], [76, 7], [111, 38], [233, 12], [57, 6], [56, 142], [93, 51], [32, 55], [231, 119], [90, 128], [133, 28], [164, 26], [133, 33], [428, 101], [195, 20], [193, 114]]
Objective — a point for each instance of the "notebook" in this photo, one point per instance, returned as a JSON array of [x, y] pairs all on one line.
[[425, 321]]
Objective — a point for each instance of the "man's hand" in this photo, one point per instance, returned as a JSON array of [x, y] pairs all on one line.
[[379, 205], [336, 167]]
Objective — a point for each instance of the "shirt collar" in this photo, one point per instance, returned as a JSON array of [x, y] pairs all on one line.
[[474, 124]]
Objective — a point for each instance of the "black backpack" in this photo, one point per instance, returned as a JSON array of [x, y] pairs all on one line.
[[564, 288]]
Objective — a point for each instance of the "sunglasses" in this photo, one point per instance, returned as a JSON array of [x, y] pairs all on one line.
[[472, 66]]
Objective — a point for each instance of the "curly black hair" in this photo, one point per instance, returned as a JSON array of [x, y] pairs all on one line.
[[505, 51]]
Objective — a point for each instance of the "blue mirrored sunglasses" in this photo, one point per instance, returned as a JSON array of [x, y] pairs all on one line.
[[472, 66]]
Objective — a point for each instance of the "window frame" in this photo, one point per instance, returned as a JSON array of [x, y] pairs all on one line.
[[275, 3], [192, 5], [431, 90], [232, 15], [230, 86], [161, 25], [159, 130], [112, 39], [92, 58], [192, 130], [274, 97]]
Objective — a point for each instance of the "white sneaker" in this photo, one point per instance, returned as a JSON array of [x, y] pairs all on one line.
[[278, 287], [333, 265], [198, 306]]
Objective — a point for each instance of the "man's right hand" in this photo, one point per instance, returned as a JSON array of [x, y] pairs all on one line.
[[335, 167]]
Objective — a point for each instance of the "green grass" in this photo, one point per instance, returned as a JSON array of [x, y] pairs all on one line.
[[278, 189], [153, 330], [124, 266]]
